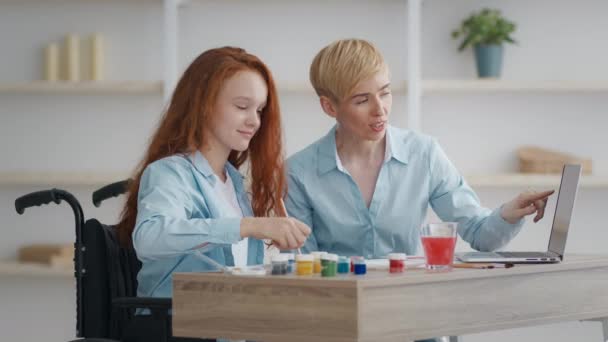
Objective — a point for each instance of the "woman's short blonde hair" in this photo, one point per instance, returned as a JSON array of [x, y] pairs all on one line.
[[339, 67]]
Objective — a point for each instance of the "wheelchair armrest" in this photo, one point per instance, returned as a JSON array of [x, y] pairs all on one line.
[[142, 303]]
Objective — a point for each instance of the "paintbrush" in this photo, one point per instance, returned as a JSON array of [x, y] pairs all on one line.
[[482, 266], [284, 212]]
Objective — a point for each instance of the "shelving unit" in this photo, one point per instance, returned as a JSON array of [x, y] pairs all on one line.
[[415, 87], [428, 87], [497, 85], [431, 87]]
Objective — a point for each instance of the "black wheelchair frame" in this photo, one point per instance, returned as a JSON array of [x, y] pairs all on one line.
[[106, 277]]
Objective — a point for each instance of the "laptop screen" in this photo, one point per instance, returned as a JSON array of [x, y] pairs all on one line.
[[564, 208]]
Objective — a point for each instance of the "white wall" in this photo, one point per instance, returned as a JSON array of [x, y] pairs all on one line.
[[37, 309], [558, 40]]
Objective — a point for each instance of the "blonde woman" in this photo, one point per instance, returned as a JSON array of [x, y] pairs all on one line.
[[366, 186]]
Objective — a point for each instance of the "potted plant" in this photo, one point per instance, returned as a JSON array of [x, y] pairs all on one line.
[[486, 31]]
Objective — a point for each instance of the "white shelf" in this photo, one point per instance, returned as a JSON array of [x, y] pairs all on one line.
[[531, 180], [55, 179], [306, 87], [84, 87], [17, 269], [498, 85], [128, 88]]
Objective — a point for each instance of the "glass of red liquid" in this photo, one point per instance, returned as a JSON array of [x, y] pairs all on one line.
[[438, 241]]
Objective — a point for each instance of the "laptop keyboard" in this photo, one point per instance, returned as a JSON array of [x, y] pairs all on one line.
[[523, 254]]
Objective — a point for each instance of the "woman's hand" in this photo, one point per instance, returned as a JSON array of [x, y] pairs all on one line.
[[285, 232], [526, 203]]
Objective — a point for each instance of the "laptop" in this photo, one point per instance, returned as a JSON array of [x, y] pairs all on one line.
[[559, 231]]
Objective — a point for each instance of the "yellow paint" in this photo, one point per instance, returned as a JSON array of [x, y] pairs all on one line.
[[304, 267]]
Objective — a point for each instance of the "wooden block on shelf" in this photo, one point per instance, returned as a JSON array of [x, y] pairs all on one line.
[[60, 261], [67, 251], [43, 253], [534, 159]]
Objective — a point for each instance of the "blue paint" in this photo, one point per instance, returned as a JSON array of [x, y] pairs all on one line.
[[360, 269], [291, 266], [344, 267]]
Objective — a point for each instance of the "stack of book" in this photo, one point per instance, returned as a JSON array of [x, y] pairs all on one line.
[[53, 255]]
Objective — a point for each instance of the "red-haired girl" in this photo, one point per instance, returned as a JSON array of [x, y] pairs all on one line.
[[187, 198]]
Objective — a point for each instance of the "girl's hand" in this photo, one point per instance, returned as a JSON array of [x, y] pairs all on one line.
[[285, 232]]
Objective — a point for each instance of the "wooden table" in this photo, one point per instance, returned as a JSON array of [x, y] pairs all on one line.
[[384, 307]]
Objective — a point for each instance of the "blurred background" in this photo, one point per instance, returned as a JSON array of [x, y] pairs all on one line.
[[81, 134]]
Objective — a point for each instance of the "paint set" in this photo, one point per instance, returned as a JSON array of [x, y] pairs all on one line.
[[329, 265]]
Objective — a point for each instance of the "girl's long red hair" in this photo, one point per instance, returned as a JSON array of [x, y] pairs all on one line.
[[191, 107]]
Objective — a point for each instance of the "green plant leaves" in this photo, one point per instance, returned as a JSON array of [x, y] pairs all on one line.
[[486, 27]]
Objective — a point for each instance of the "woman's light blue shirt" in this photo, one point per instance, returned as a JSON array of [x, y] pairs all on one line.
[[416, 172], [177, 212]]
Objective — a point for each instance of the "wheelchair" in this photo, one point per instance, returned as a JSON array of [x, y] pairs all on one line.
[[106, 277]]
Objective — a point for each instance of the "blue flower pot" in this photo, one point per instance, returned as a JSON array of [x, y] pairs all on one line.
[[489, 60]]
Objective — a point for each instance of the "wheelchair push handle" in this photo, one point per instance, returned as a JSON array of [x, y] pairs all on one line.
[[110, 190], [37, 198]]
